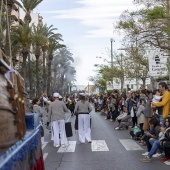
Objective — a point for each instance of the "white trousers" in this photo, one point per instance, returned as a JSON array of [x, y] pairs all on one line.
[[84, 128], [58, 127]]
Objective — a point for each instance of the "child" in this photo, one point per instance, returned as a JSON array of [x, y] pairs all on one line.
[[156, 98], [140, 116]]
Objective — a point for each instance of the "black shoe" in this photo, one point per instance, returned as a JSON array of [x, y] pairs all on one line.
[[89, 141]]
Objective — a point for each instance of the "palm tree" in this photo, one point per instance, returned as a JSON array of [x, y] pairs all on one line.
[[29, 5], [49, 33], [63, 71], [52, 47], [21, 37], [9, 4], [39, 39], [2, 24]]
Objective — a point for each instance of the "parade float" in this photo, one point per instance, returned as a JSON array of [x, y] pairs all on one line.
[[20, 138]]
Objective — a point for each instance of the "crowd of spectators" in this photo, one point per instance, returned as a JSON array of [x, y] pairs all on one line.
[[146, 112]]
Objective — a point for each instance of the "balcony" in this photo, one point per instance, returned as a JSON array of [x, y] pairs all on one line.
[[14, 14], [15, 6], [14, 23]]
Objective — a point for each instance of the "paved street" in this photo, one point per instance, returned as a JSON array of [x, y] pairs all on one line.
[[109, 150]]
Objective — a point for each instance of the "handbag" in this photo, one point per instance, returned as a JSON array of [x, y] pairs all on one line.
[[132, 112], [68, 129], [76, 122]]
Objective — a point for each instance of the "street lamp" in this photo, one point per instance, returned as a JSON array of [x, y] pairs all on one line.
[[111, 40]]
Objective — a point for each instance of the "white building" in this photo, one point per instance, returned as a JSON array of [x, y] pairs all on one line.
[[129, 83]]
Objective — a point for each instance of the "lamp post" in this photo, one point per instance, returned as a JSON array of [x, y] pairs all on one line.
[[111, 40]]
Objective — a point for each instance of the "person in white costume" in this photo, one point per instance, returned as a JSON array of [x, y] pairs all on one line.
[[56, 114], [83, 108]]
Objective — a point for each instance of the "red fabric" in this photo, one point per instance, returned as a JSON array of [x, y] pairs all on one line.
[[39, 165]]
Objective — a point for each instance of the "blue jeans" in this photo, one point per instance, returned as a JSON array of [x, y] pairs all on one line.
[[151, 131], [162, 120], [156, 145], [152, 140], [146, 138]]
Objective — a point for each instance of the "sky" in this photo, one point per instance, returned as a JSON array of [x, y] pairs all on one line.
[[86, 27]]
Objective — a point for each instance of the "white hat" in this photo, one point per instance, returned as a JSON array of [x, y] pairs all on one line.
[[60, 97], [82, 94], [56, 95]]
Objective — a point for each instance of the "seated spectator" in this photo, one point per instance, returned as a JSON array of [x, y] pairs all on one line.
[[158, 144], [122, 115], [148, 134], [135, 133], [166, 144]]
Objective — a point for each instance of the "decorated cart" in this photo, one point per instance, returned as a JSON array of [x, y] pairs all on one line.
[[20, 146]]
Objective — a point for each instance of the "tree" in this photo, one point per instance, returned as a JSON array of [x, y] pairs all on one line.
[[49, 33], [29, 5], [9, 4], [98, 81], [149, 27], [39, 39], [64, 73], [52, 47], [21, 36]]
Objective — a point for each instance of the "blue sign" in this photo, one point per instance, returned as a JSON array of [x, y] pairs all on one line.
[[100, 89]]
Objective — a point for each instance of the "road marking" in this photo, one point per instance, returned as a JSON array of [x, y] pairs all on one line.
[[70, 148], [44, 145], [99, 145], [45, 156], [129, 144]]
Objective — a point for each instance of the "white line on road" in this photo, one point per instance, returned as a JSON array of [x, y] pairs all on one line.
[[99, 145], [45, 156], [70, 148], [129, 144], [44, 145]]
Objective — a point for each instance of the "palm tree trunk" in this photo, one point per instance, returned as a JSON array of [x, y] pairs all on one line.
[[37, 76], [1, 32], [49, 77], [55, 78], [30, 77], [24, 55], [44, 71], [8, 41], [62, 89]]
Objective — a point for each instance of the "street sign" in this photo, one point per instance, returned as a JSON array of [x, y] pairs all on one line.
[[157, 64]]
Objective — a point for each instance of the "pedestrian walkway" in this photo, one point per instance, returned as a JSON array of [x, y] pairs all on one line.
[[97, 146]]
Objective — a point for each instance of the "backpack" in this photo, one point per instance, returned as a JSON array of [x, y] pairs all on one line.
[[136, 130]]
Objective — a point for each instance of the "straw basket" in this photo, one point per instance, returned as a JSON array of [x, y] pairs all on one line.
[[8, 128]]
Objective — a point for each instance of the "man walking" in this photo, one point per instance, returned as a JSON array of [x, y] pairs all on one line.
[[56, 114]]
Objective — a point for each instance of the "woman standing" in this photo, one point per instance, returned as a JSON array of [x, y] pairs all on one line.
[[83, 109], [38, 109], [56, 114]]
